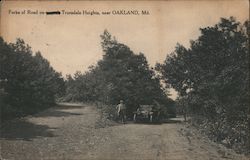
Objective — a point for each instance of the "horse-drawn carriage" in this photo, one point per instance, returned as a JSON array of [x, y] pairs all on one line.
[[147, 113]]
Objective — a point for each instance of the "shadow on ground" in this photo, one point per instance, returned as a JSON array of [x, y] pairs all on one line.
[[57, 113], [147, 122], [21, 129], [172, 121], [24, 130], [69, 106]]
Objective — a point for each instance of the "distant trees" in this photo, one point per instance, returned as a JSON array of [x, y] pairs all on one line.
[[28, 82], [121, 74], [212, 78]]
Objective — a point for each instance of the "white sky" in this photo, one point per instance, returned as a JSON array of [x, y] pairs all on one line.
[[72, 43]]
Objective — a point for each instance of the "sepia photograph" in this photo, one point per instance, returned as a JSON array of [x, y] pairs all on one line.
[[124, 80]]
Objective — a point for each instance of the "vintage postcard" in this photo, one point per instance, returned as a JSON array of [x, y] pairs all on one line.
[[124, 80]]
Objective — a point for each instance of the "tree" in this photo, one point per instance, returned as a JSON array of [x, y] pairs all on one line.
[[28, 80], [213, 76], [121, 74]]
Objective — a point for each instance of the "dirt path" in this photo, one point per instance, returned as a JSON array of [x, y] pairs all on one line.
[[76, 132]]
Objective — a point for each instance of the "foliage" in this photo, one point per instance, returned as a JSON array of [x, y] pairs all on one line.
[[121, 74], [28, 82], [212, 78]]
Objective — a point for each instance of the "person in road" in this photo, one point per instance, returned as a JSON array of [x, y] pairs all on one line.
[[121, 111]]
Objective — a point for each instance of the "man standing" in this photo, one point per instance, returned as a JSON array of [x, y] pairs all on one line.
[[121, 111]]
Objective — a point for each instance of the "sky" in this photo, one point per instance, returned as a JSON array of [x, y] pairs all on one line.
[[72, 42]]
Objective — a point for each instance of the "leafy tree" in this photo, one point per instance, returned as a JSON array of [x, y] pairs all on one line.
[[212, 76], [121, 74], [28, 80]]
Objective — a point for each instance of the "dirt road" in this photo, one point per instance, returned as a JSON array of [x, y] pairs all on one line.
[[78, 132]]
